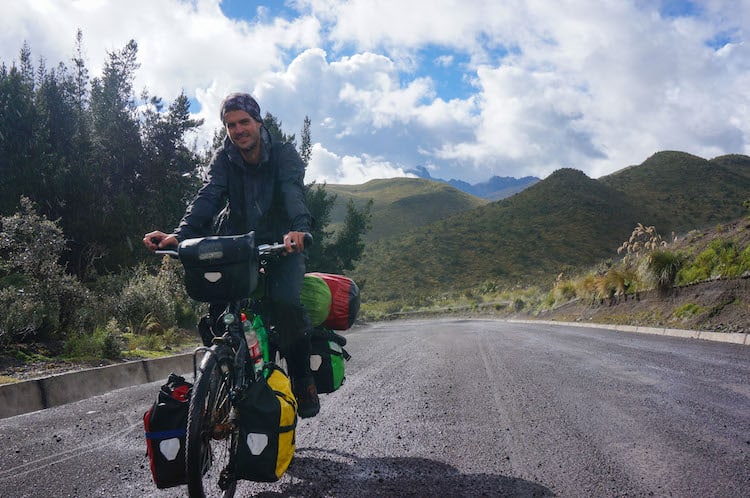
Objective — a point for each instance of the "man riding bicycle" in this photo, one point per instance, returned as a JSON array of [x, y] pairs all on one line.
[[263, 183]]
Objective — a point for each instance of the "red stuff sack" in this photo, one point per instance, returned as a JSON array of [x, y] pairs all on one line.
[[345, 301]]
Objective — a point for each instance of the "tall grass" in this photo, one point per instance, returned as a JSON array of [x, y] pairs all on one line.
[[663, 266]]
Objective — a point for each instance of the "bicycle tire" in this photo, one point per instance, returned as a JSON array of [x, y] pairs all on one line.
[[211, 433]]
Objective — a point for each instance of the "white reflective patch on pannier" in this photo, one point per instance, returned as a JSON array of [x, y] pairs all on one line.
[[169, 448], [257, 442], [315, 361], [212, 276]]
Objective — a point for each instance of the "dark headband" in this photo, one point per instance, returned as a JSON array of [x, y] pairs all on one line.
[[241, 102]]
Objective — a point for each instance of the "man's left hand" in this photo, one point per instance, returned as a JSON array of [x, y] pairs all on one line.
[[298, 238]]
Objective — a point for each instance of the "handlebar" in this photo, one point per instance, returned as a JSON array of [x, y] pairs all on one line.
[[262, 249], [270, 249], [168, 252]]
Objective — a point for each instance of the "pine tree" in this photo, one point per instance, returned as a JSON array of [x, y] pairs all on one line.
[[273, 125], [305, 148]]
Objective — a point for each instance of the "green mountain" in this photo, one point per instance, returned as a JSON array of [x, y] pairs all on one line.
[[682, 191], [566, 221], [400, 204]]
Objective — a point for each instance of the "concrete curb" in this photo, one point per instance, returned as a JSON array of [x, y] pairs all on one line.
[[38, 394], [729, 337]]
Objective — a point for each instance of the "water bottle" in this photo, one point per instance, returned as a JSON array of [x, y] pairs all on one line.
[[253, 346], [260, 329]]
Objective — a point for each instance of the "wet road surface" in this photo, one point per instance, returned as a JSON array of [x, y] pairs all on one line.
[[453, 408]]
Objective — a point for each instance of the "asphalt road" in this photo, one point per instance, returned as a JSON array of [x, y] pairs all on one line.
[[454, 408]]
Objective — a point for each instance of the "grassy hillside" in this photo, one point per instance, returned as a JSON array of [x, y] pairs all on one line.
[[567, 221], [682, 192], [400, 204], [735, 162]]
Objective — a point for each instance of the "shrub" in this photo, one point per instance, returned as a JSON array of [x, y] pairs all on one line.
[[688, 311], [153, 303], [103, 342], [586, 288], [39, 300], [549, 300], [722, 258], [147, 342], [663, 266], [690, 274], [611, 284], [745, 260], [564, 290], [143, 301]]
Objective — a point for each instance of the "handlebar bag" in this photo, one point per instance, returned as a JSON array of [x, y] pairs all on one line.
[[220, 268], [267, 422], [328, 359], [165, 425]]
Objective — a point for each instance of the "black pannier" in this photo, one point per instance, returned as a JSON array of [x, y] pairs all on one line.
[[165, 426], [219, 269]]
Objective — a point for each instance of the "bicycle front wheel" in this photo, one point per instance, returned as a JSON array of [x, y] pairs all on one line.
[[211, 433]]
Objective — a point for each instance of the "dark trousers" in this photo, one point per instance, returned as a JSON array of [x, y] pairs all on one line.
[[285, 278]]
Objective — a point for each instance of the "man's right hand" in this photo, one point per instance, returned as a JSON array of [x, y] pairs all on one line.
[[159, 240]]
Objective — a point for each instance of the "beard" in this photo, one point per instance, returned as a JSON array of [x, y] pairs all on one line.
[[249, 146], [247, 142]]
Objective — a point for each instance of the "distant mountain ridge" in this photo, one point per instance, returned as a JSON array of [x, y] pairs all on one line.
[[564, 223], [401, 205], [494, 189]]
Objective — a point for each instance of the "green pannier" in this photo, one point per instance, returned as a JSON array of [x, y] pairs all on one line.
[[328, 359]]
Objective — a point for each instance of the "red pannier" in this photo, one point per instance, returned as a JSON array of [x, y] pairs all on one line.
[[165, 425], [345, 300]]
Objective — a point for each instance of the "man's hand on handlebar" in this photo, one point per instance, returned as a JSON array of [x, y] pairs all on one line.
[[298, 238], [159, 240]]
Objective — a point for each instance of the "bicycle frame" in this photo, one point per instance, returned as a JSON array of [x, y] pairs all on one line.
[[229, 348]]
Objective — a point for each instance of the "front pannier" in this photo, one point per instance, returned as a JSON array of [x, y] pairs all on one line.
[[220, 269], [165, 426], [268, 421]]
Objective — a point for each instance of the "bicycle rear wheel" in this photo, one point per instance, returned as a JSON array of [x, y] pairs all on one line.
[[211, 432]]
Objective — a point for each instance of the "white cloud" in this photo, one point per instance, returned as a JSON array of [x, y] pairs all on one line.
[[327, 167], [592, 85], [392, 24]]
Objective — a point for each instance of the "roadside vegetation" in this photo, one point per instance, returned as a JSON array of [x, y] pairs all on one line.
[[647, 262], [561, 224], [88, 167]]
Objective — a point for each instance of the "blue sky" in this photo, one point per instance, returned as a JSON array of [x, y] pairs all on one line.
[[468, 89]]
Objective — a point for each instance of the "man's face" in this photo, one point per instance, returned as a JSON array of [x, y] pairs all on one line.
[[243, 130]]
